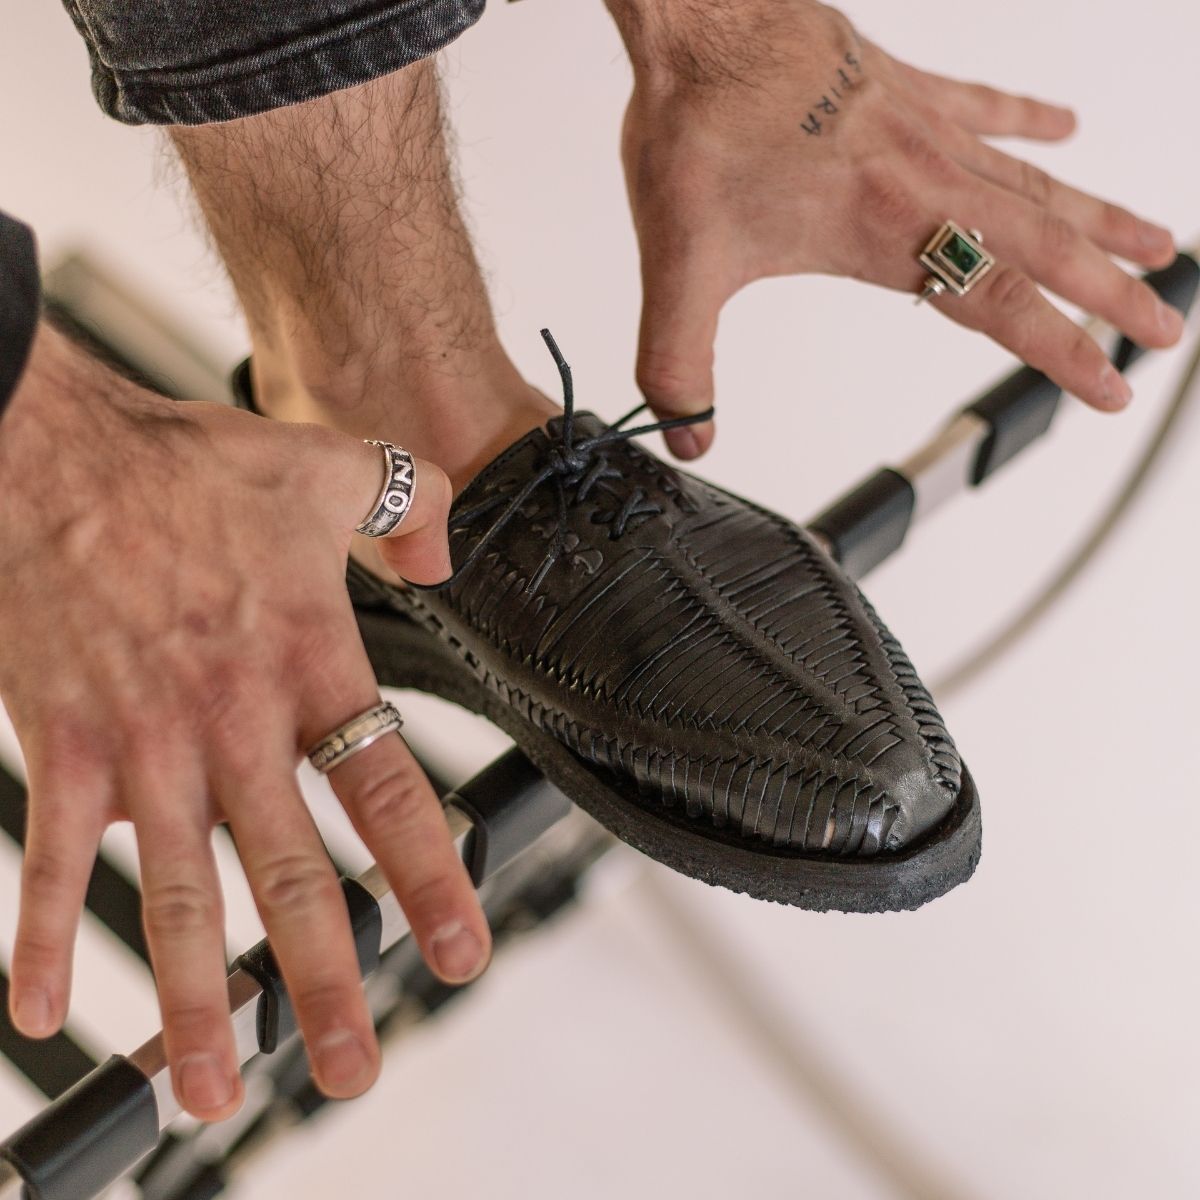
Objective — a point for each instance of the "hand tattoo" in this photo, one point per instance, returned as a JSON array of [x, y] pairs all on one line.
[[847, 83]]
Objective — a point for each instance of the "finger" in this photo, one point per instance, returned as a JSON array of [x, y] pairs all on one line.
[[1007, 305], [63, 829], [400, 818], [1053, 252], [1107, 225], [184, 917], [352, 475], [301, 904], [418, 549], [986, 110], [682, 296]]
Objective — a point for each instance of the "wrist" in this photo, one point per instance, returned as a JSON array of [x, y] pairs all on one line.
[[67, 400], [691, 41], [678, 45]]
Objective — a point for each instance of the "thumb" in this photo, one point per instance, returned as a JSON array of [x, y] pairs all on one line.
[[417, 548], [682, 299]]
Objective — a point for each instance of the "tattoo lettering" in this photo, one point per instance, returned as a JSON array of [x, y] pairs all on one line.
[[812, 126]]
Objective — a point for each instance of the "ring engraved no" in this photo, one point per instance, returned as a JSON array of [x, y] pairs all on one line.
[[396, 495]]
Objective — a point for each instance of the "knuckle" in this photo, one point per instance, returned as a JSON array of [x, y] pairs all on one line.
[[1082, 353], [295, 881], [1011, 291], [430, 903], [316, 647], [1059, 237], [79, 752], [664, 379], [886, 201], [214, 696], [1036, 183], [146, 731], [1119, 224], [177, 909], [919, 150], [391, 800], [47, 877], [196, 1024], [36, 953], [1140, 299], [322, 997]]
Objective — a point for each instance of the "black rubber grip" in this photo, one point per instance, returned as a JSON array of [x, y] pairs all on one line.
[[276, 1018], [869, 524], [1177, 285], [1019, 410], [511, 804], [1022, 407], [88, 1138]]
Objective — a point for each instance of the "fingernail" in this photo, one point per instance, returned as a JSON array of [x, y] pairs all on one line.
[[683, 443], [342, 1062], [204, 1084], [32, 1012], [457, 951], [1116, 389]]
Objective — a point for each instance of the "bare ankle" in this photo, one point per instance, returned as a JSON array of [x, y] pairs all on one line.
[[459, 414]]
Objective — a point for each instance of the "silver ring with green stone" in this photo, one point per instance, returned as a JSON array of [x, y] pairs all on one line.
[[957, 260]]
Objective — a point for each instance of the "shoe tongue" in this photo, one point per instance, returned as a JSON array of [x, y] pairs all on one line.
[[516, 464]]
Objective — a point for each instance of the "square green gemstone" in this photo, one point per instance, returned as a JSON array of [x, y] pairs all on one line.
[[962, 254]]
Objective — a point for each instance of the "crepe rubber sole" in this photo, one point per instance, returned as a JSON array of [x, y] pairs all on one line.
[[406, 656]]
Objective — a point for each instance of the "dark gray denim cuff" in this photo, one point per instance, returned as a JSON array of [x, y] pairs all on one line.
[[212, 60]]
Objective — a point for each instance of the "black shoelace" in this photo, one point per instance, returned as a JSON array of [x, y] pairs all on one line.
[[572, 463]]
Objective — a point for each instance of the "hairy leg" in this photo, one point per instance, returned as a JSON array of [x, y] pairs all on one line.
[[339, 223]]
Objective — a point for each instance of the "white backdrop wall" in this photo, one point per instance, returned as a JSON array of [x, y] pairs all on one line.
[[1031, 1035]]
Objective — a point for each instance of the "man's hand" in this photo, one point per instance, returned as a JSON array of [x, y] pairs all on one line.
[[766, 137], [176, 631]]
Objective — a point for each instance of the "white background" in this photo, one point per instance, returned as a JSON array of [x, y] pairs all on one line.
[[1031, 1035]]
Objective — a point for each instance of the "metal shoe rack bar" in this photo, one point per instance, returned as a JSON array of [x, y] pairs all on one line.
[[117, 1116]]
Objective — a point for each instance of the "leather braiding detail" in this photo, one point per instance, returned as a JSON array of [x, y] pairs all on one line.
[[939, 745]]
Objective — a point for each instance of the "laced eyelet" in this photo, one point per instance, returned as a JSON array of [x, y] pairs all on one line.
[[579, 465]]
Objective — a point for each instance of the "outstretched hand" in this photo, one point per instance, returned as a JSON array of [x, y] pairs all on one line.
[[766, 138], [177, 633]]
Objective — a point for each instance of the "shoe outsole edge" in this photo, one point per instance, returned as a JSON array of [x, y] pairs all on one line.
[[405, 656]]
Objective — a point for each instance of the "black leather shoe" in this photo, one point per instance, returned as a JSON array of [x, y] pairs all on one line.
[[690, 669]]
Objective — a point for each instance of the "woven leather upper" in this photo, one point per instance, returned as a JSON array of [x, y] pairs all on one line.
[[693, 642]]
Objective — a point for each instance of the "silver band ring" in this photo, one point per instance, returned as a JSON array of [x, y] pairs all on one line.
[[396, 495], [355, 735], [956, 259]]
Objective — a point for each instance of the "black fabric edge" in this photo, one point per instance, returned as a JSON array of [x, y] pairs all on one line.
[[20, 303]]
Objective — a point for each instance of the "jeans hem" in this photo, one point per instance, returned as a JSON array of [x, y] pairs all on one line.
[[305, 68]]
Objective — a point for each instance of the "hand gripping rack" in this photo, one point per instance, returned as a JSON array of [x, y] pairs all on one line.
[[113, 1118]]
